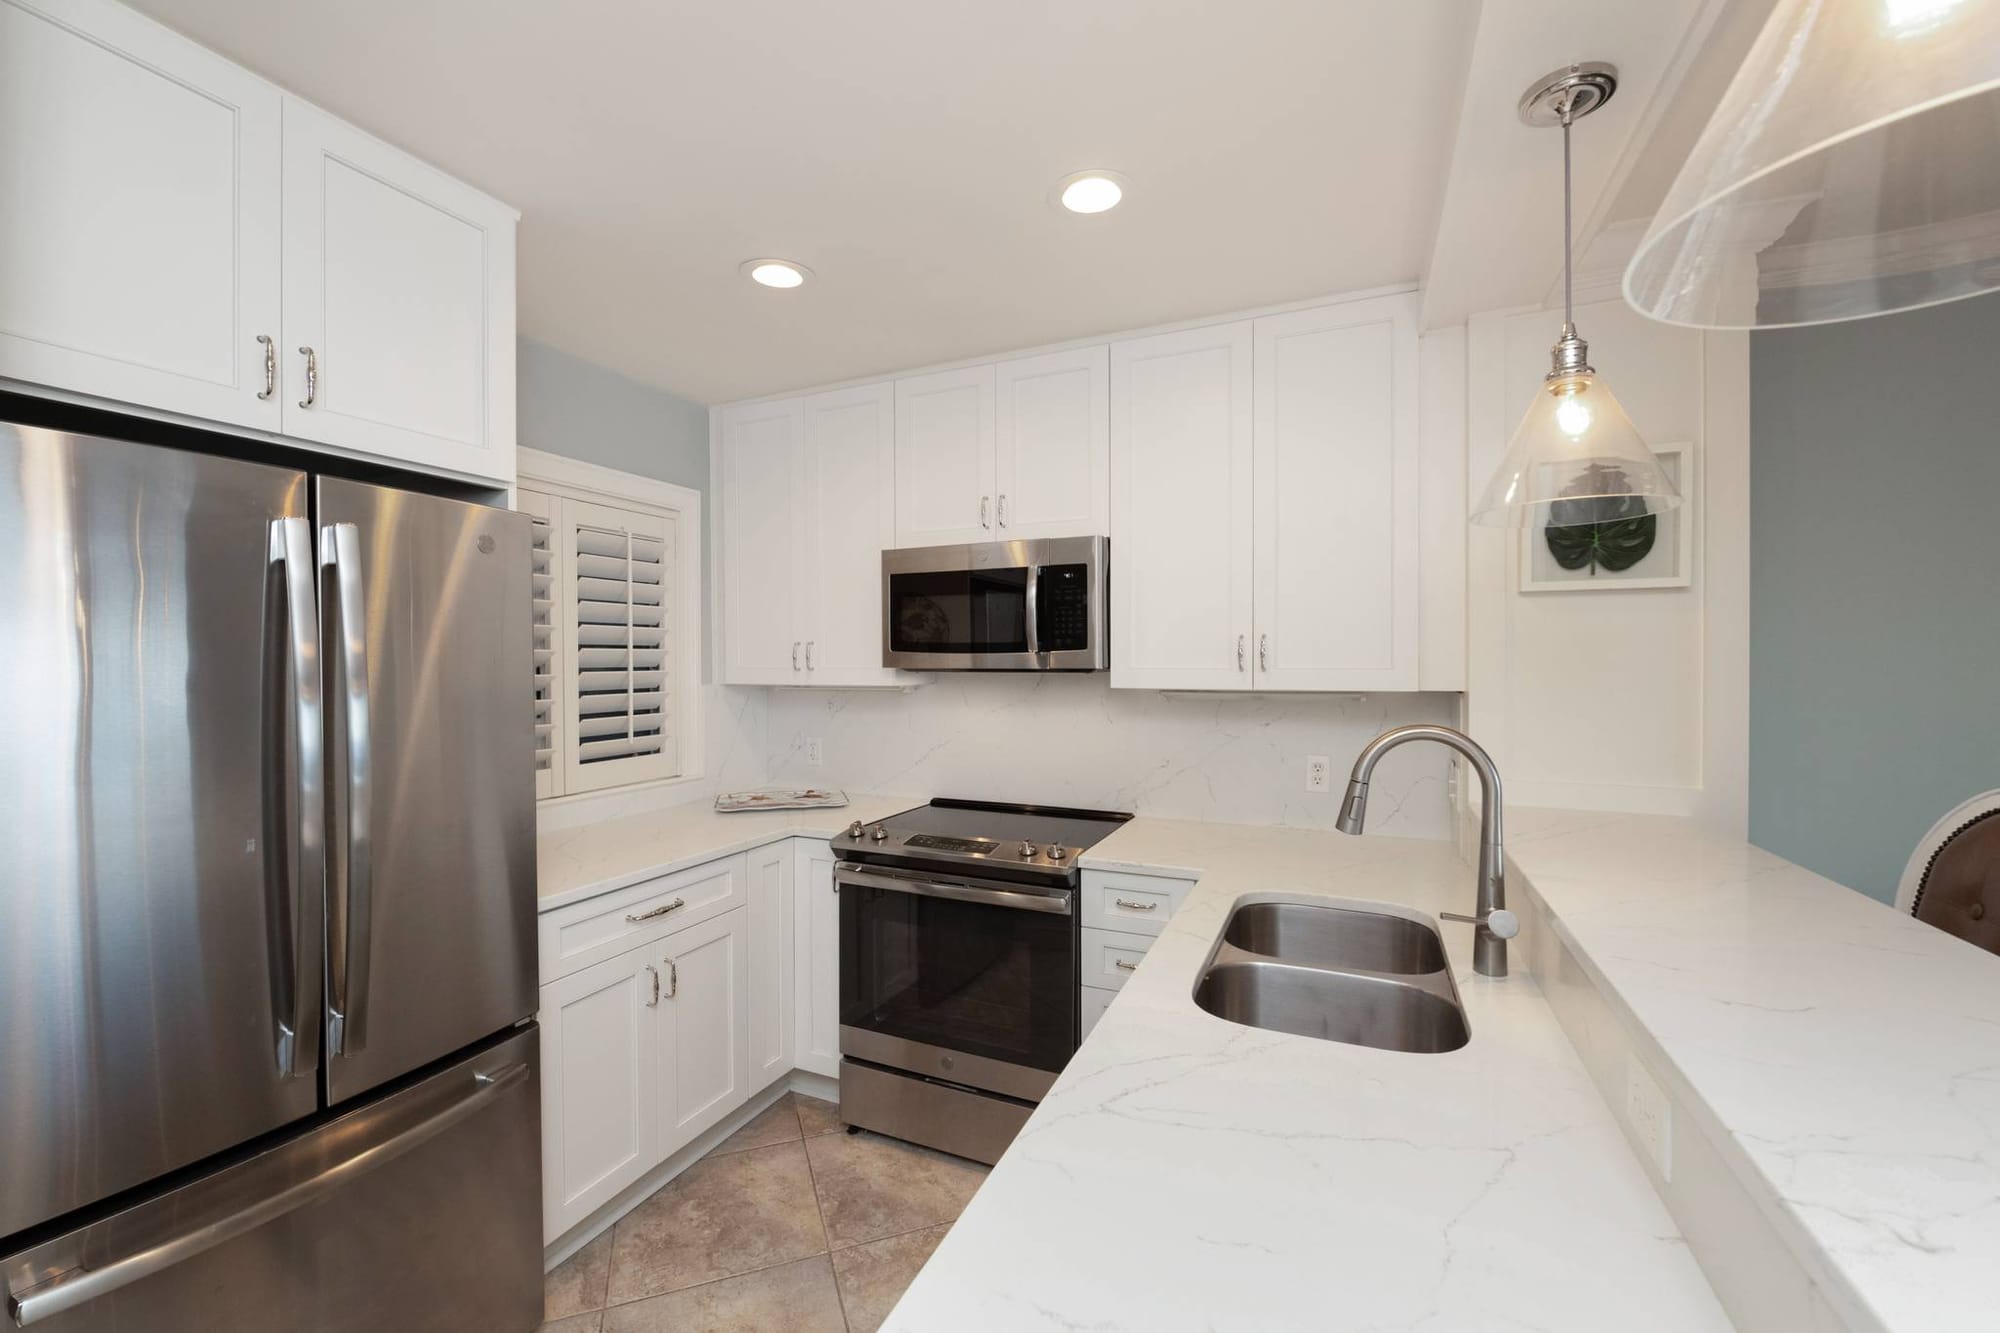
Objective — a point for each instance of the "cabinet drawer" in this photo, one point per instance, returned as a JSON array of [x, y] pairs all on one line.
[[598, 928], [1113, 900], [1092, 1001], [1110, 956]]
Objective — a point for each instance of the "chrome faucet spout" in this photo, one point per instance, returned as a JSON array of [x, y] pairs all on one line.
[[1495, 925]]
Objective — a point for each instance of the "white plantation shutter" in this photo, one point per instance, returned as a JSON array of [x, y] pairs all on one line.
[[617, 636], [548, 665]]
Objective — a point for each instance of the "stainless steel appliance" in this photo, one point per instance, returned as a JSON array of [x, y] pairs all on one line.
[[958, 967], [266, 899], [998, 606]]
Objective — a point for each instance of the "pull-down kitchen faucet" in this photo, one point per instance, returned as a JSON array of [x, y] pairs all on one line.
[[1493, 924]]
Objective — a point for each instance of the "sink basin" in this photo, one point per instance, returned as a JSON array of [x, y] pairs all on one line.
[[1335, 937], [1359, 1008]]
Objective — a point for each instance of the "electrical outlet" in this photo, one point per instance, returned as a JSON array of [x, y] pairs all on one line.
[[1318, 773], [813, 753], [1650, 1115]]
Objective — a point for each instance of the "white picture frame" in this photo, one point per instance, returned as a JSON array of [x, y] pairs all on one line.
[[1670, 564]]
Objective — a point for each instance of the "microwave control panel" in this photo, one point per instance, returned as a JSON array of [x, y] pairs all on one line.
[[1062, 609]]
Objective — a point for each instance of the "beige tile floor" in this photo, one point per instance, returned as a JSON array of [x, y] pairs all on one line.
[[789, 1223]]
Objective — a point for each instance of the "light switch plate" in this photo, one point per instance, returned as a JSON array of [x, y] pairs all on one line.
[[1650, 1115], [1318, 772]]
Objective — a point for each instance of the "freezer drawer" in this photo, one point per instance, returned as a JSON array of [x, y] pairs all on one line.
[[418, 1212]]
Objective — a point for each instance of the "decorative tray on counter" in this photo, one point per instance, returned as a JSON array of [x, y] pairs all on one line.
[[781, 798]]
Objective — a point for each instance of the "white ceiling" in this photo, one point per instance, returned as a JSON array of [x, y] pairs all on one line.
[[903, 150]]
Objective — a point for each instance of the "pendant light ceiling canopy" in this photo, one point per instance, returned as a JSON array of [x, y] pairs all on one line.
[[1575, 458], [1852, 169]]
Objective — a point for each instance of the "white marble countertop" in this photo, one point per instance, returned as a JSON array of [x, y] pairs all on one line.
[[1189, 1173], [572, 864], [1844, 1057]]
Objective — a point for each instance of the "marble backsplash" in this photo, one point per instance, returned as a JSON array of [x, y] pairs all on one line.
[[1073, 740]]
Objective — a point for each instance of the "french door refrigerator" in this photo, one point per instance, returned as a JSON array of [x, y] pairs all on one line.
[[267, 958]]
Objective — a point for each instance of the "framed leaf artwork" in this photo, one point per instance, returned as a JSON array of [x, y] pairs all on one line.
[[1605, 549]]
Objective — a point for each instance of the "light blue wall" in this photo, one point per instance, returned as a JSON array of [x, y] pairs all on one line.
[[1875, 584], [567, 405]]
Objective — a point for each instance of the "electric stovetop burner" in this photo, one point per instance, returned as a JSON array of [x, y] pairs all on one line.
[[996, 839]]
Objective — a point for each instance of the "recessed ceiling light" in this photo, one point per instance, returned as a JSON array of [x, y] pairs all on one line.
[[1090, 191], [775, 272]]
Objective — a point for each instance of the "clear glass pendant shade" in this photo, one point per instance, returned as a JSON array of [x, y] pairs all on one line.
[[1575, 458], [1852, 169]]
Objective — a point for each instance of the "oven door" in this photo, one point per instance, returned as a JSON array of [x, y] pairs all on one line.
[[996, 606], [970, 981]]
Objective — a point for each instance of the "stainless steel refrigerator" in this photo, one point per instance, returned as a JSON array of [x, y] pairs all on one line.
[[267, 967]]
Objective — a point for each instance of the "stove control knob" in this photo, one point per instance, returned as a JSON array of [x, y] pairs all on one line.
[[1057, 851], [878, 833], [854, 829], [1027, 849]]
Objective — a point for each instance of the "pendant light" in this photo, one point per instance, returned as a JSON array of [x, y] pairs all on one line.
[[1852, 169], [1576, 457]]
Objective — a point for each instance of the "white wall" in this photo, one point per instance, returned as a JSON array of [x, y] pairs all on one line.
[[1072, 740], [1632, 700]]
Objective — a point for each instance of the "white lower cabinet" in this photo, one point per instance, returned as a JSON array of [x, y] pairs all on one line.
[[816, 941], [640, 1054], [1092, 1001], [771, 968]]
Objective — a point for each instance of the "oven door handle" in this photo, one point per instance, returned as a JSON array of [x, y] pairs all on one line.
[[1020, 900]]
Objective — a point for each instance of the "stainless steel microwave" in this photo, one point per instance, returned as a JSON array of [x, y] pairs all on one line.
[[998, 606]]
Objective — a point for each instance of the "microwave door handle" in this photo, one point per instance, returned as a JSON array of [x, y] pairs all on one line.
[[1033, 611], [297, 850], [340, 563]]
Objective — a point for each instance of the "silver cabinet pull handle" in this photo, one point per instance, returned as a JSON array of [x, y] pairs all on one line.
[[1124, 966], [661, 910], [347, 631], [312, 377], [983, 507], [809, 654], [656, 986], [795, 654], [270, 366], [1263, 652], [1135, 907], [1239, 652], [298, 850], [673, 978], [1001, 508]]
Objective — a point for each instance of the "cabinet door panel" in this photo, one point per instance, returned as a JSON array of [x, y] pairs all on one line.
[[1336, 497], [816, 1030], [944, 458], [1180, 514], [401, 281], [771, 929], [599, 1088], [139, 198], [705, 1063], [850, 493], [1052, 445], [762, 547]]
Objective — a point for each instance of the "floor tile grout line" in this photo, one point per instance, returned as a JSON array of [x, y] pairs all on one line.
[[820, 1206]]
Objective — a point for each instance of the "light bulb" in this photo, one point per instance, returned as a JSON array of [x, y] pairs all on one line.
[[1573, 417], [1091, 194]]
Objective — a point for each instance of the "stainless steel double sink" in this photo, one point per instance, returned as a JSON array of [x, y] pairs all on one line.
[[1337, 973]]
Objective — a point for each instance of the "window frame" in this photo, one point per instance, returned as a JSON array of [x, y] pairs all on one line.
[[561, 479]]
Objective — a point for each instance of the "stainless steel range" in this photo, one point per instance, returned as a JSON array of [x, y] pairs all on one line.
[[958, 967]]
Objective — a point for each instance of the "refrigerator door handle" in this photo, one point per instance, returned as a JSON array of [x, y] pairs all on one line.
[[81, 1285], [297, 851], [340, 568]]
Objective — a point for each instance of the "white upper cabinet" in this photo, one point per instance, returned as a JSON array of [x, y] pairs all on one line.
[[399, 304], [139, 231], [944, 458], [1181, 510], [1052, 445], [762, 468], [850, 519], [1336, 512], [176, 232], [808, 506]]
